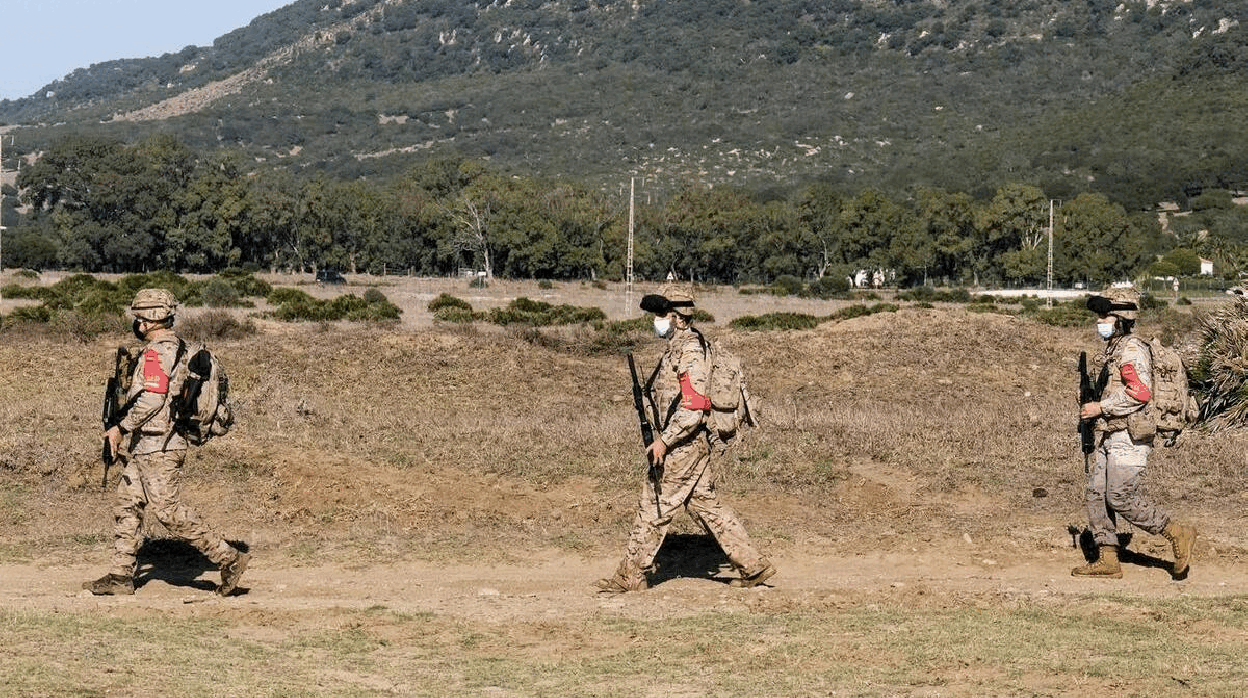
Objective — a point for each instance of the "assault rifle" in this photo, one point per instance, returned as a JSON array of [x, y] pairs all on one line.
[[114, 408], [1088, 392], [647, 435]]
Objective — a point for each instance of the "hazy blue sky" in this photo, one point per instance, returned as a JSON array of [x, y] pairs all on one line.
[[44, 40]]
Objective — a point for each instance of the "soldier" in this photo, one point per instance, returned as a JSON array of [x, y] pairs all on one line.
[[682, 452], [153, 467], [1122, 451]]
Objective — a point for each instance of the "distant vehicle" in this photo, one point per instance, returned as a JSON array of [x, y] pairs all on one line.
[[1080, 285], [330, 276]]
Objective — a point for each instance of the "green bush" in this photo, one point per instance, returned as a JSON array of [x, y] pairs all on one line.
[[26, 274], [298, 306], [850, 311], [453, 313], [218, 293], [545, 284], [524, 311], [829, 287], [281, 296], [1071, 313], [446, 300], [245, 283], [787, 285], [775, 321]]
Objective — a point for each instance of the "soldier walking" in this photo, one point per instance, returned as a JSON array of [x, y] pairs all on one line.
[[153, 453], [682, 454], [1121, 456]]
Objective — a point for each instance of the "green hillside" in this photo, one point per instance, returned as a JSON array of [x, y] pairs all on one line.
[[1135, 102]]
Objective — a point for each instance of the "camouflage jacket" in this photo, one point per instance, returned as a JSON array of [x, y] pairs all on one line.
[[1128, 367], [149, 421], [681, 386]]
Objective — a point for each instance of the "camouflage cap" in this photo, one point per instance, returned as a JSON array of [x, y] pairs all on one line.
[[668, 300], [1122, 301], [154, 304]]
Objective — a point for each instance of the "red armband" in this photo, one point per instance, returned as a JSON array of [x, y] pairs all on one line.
[[691, 399], [155, 380], [1135, 387]]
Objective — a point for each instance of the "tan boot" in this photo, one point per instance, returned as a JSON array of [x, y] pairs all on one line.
[[231, 573], [753, 579], [1106, 565], [1182, 540], [111, 585]]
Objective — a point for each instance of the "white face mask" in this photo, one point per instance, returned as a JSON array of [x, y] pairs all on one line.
[[662, 327], [1105, 329]]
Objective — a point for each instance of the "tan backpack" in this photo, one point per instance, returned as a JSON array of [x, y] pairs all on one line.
[[1173, 406], [731, 404]]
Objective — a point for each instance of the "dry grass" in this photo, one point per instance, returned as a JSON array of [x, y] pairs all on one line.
[[363, 446]]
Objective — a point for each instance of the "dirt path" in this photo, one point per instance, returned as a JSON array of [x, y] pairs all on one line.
[[561, 585]]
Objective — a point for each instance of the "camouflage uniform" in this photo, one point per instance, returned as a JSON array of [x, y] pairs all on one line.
[[688, 477], [1119, 460], [152, 475], [1124, 441]]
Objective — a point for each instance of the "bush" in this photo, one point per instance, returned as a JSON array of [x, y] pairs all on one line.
[[775, 321], [218, 293], [299, 306], [525, 311], [213, 325], [829, 287], [545, 284], [453, 313], [26, 274], [245, 283], [850, 311], [786, 285], [478, 282], [446, 300], [1069, 314], [281, 296]]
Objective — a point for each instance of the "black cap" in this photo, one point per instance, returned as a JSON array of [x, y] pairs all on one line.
[[660, 305], [1104, 306]]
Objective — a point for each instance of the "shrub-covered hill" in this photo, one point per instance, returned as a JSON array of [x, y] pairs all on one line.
[[1135, 99]]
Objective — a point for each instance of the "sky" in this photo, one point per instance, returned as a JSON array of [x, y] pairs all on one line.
[[44, 40]]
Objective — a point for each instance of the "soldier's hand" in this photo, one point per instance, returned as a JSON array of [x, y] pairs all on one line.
[[1090, 410], [114, 439], [656, 452]]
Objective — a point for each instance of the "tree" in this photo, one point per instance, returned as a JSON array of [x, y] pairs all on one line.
[[1098, 241]]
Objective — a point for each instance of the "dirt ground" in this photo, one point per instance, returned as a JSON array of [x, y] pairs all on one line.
[[409, 538]]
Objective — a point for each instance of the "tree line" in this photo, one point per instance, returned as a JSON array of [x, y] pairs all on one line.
[[99, 205]]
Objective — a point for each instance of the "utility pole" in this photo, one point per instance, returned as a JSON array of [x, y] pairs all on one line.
[[628, 276], [1048, 301], [1, 216]]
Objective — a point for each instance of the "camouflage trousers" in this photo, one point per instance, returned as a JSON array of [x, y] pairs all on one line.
[[153, 482], [1114, 489], [689, 481]]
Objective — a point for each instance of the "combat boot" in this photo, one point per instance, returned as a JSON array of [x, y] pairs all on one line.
[[111, 585], [1106, 565], [1182, 538], [231, 572], [626, 578], [767, 571]]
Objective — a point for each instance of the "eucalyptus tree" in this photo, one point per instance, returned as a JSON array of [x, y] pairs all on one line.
[[1100, 242]]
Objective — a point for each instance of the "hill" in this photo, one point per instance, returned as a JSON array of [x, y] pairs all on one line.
[[1139, 100]]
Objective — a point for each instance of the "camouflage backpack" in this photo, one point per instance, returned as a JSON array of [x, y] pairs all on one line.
[[201, 408], [731, 404], [1173, 406]]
